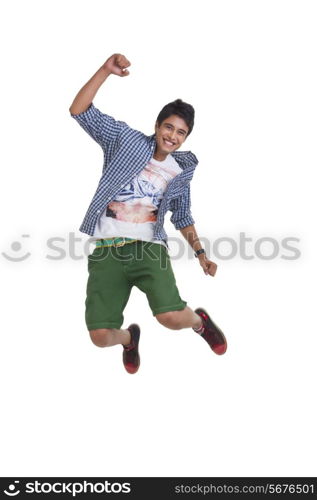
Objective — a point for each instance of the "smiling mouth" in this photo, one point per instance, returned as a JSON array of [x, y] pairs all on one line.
[[168, 143]]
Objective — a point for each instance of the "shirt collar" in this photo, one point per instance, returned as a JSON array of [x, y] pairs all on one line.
[[185, 159]]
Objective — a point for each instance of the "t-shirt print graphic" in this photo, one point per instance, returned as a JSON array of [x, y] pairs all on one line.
[[133, 211], [138, 202]]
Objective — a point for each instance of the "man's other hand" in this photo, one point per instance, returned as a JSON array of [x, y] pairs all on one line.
[[208, 266], [117, 64]]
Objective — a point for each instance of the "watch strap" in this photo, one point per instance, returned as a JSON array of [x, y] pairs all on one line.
[[202, 250]]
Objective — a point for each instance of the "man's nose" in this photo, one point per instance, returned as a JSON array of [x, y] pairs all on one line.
[[172, 135]]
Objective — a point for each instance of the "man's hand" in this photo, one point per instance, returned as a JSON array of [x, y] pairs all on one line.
[[208, 266], [117, 64]]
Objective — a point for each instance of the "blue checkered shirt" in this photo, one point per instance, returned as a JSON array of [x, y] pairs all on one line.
[[126, 153]]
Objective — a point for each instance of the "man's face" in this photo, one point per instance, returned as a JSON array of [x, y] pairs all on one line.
[[170, 135]]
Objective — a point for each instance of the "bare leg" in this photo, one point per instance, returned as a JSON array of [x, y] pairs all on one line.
[[107, 337], [176, 320]]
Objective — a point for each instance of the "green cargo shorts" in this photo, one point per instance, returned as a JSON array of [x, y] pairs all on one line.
[[113, 271]]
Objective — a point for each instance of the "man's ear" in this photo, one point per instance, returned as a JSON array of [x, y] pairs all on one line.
[[156, 126]]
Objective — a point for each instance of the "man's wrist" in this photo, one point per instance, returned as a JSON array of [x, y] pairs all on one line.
[[105, 71], [200, 253]]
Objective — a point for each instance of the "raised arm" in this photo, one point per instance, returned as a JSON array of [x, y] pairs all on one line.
[[117, 64]]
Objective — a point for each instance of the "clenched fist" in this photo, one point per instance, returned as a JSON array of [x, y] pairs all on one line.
[[117, 64], [208, 266]]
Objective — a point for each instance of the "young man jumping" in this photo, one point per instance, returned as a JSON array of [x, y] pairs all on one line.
[[143, 177]]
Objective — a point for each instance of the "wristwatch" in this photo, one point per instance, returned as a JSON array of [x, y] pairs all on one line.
[[199, 252]]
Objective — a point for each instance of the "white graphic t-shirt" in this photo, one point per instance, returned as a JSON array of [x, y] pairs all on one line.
[[133, 212]]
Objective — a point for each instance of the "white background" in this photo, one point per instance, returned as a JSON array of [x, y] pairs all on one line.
[[68, 407]]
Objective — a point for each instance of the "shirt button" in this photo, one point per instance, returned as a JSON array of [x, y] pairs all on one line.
[[98, 211]]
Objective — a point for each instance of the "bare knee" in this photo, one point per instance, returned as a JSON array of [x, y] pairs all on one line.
[[101, 337], [170, 319]]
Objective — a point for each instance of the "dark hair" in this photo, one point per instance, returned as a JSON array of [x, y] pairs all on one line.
[[179, 108]]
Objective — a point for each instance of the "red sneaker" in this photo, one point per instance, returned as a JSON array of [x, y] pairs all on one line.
[[212, 333], [131, 357]]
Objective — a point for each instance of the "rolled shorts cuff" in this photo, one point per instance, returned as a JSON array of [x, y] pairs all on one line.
[[97, 326], [178, 307]]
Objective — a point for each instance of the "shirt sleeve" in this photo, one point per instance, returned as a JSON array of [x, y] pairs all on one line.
[[180, 207], [101, 127]]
